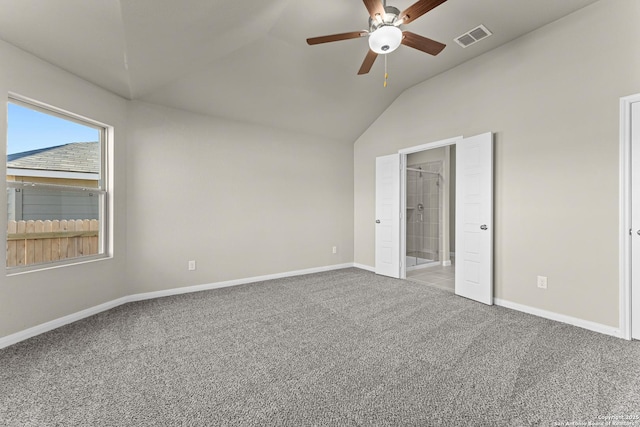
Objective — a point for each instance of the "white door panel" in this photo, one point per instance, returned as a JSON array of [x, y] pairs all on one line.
[[388, 215], [635, 220], [474, 218]]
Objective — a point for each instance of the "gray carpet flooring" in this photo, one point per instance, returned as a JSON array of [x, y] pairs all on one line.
[[345, 347]]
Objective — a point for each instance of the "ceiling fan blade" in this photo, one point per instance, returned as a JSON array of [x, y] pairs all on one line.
[[418, 9], [424, 44], [374, 7], [336, 37], [368, 62]]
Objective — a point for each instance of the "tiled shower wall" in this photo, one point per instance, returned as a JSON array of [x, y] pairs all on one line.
[[423, 227]]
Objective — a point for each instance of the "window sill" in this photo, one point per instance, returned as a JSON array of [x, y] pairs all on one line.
[[15, 271]]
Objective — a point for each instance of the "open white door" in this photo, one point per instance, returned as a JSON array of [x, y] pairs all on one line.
[[388, 215], [474, 218], [635, 220]]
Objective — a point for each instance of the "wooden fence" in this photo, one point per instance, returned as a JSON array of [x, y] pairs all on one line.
[[32, 242]]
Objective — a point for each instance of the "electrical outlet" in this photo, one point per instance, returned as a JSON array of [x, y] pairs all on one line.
[[542, 282], [192, 265], [335, 249]]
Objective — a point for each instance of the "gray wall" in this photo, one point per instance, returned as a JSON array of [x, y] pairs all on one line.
[[552, 99], [36, 297], [241, 200]]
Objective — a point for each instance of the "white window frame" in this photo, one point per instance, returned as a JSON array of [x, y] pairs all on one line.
[[105, 216]]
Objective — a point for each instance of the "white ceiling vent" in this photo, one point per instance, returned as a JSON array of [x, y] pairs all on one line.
[[473, 36]]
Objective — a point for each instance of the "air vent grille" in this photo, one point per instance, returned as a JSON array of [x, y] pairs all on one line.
[[473, 36]]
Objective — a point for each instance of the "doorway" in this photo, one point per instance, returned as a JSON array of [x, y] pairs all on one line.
[[430, 217], [473, 215]]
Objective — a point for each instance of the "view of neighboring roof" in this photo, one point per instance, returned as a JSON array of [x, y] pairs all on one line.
[[72, 157]]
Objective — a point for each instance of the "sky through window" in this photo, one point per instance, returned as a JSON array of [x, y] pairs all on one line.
[[31, 130]]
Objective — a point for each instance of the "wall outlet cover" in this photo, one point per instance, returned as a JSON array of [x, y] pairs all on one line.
[[542, 282]]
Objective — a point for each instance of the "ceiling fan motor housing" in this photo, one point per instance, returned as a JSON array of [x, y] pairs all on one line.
[[390, 17]]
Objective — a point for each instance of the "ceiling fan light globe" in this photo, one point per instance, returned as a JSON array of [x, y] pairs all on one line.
[[385, 39]]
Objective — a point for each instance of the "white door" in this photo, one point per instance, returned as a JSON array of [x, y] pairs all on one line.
[[388, 215], [474, 218], [635, 220]]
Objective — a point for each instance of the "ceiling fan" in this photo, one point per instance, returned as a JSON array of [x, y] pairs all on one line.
[[384, 31]]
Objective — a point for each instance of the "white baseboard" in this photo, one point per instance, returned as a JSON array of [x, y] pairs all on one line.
[[56, 323], [581, 323], [446, 263], [364, 267], [226, 284], [74, 317]]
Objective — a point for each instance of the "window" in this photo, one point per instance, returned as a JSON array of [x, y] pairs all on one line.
[[56, 187]]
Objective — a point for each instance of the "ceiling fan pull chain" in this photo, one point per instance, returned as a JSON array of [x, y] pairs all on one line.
[[386, 75]]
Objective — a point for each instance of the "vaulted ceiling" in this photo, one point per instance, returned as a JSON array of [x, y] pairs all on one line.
[[248, 59]]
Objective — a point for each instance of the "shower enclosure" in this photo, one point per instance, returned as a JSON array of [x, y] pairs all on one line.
[[424, 214]]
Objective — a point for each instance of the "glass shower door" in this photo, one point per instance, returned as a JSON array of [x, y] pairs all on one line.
[[423, 213], [411, 216]]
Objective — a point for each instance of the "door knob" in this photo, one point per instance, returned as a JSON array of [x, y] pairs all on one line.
[[483, 227], [378, 222], [638, 232]]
